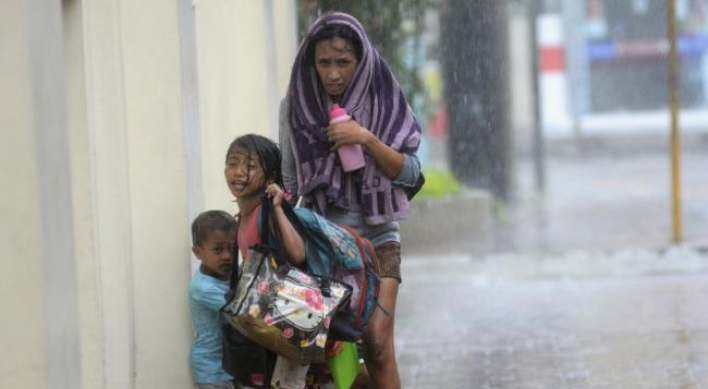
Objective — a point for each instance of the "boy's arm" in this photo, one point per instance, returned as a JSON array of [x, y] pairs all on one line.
[[210, 296]]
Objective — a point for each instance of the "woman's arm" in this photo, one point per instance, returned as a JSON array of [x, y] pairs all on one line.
[[288, 164], [293, 245], [389, 161]]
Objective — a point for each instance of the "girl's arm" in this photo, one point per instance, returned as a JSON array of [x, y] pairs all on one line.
[[389, 161], [293, 245]]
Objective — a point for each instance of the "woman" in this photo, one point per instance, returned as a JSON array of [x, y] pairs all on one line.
[[336, 64]]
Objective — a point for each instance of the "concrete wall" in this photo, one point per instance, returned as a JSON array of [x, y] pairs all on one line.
[[245, 52], [22, 338], [116, 117]]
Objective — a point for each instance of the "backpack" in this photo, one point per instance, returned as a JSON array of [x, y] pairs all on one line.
[[340, 253]]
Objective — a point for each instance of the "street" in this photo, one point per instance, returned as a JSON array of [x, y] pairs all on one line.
[[605, 202], [583, 288], [559, 323]]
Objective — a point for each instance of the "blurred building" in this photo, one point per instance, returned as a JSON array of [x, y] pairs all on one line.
[[116, 117], [628, 53], [601, 57]]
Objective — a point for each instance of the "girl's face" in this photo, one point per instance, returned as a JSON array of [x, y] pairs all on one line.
[[335, 61], [244, 173]]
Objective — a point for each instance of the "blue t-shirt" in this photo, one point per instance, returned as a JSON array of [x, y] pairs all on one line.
[[206, 297]]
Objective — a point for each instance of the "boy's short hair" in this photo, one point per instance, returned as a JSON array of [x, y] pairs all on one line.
[[209, 221]]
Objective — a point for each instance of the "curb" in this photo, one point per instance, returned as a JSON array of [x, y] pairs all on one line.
[[455, 223]]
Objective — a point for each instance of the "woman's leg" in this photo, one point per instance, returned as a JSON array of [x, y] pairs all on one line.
[[362, 381], [380, 350]]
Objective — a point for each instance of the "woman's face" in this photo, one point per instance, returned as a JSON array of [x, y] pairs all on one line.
[[335, 61]]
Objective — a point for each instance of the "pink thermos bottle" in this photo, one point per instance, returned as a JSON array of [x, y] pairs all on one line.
[[351, 156]]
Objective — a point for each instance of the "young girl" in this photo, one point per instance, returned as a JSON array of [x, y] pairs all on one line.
[[253, 167]]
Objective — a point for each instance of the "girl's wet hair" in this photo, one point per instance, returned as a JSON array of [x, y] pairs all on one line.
[[334, 31], [267, 152], [210, 221]]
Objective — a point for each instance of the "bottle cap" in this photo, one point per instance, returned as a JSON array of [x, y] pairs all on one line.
[[337, 111]]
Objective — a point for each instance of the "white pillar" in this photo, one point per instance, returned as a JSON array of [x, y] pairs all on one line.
[[24, 335], [139, 193], [61, 321], [157, 191], [555, 114], [110, 194]]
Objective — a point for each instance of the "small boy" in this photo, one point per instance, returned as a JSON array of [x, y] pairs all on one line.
[[213, 241]]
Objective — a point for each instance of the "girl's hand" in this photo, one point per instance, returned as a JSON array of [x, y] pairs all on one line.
[[276, 193], [346, 133]]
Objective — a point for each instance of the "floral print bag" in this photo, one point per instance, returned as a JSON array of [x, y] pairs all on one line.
[[281, 307]]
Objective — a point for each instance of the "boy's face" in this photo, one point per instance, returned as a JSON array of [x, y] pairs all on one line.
[[244, 174], [216, 253]]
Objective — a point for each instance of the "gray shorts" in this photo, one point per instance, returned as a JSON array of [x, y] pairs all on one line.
[[389, 256], [385, 238]]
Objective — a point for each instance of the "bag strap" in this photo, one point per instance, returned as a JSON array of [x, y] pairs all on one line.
[[264, 227], [264, 230], [266, 237], [233, 280], [253, 281], [294, 219]]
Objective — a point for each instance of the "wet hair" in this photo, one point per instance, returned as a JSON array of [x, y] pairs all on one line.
[[267, 151], [210, 221], [334, 31]]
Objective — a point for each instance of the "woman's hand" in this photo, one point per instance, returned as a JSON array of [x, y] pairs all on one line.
[[275, 193], [347, 133], [388, 160]]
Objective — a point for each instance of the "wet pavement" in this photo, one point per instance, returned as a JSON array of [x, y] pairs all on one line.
[[583, 288], [604, 202], [632, 321]]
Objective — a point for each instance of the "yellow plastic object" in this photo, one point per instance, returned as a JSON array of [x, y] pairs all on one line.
[[344, 365]]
